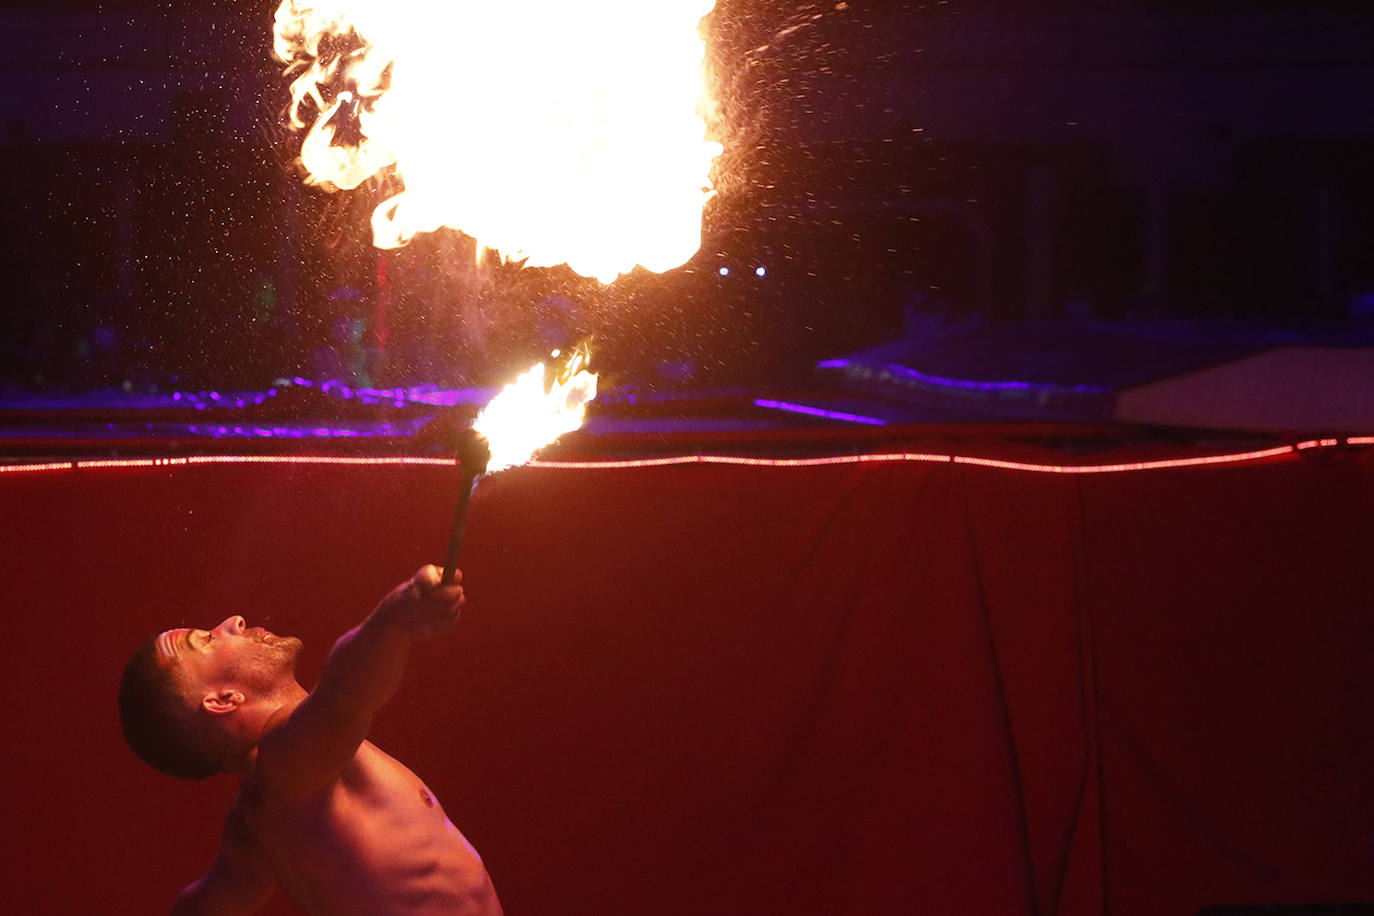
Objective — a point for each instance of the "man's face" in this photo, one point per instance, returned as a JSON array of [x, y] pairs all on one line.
[[230, 654]]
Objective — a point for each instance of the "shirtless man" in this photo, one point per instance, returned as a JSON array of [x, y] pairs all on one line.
[[341, 826]]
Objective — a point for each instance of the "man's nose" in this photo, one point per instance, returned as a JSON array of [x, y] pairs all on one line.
[[233, 625]]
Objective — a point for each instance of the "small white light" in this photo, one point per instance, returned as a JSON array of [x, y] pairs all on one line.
[[725, 271], [760, 271]]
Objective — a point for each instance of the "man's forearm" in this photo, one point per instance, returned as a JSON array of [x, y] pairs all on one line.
[[186, 904], [191, 902], [204, 899]]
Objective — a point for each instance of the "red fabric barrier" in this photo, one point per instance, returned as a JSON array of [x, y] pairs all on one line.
[[851, 689]]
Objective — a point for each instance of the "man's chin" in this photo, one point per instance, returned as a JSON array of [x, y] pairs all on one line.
[[285, 648], [289, 644]]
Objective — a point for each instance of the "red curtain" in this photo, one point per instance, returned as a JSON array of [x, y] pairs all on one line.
[[849, 689]]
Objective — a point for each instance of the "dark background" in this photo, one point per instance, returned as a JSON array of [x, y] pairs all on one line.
[[994, 161]]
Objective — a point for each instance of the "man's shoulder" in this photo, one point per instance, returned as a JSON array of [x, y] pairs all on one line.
[[258, 794], [263, 795], [255, 774], [279, 717]]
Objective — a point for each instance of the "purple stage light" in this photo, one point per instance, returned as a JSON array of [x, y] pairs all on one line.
[[819, 412], [897, 371]]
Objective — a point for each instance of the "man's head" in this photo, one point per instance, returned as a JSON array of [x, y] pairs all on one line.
[[191, 702]]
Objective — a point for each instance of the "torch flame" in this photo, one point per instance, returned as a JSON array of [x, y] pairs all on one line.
[[525, 416], [554, 132]]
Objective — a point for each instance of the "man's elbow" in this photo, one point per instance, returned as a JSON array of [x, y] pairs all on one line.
[[194, 900], [188, 902]]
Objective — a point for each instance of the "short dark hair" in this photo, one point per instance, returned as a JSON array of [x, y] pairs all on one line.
[[158, 725]]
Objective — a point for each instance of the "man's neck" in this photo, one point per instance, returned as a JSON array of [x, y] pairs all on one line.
[[276, 705]]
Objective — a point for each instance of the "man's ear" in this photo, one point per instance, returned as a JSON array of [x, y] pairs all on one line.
[[221, 702]]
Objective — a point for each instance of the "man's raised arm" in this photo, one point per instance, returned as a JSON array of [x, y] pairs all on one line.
[[310, 744]]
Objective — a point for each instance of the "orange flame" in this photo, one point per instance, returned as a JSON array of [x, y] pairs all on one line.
[[554, 132], [524, 416]]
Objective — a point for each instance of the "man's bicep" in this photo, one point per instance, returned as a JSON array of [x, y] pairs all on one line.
[[311, 744]]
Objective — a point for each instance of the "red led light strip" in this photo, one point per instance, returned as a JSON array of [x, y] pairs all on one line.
[[731, 459], [316, 459], [50, 466], [1163, 464], [220, 459], [1130, 466], [1233, 458]]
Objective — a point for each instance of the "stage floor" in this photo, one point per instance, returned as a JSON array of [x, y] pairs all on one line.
[[964, 379]]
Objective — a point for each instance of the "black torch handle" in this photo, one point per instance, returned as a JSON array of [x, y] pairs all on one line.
[[460, 521]]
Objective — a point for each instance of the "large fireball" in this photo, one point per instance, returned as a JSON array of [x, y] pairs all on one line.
[[554, 132]]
